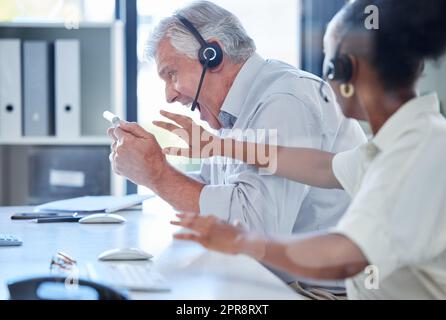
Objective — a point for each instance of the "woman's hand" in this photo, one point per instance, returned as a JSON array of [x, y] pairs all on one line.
[[202, 144], [211, 233]]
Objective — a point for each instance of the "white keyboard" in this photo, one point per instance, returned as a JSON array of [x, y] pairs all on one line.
[[8, 240], [136, 277]]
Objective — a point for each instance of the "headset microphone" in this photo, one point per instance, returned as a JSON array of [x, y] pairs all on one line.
[[203, 73], [210, 54]]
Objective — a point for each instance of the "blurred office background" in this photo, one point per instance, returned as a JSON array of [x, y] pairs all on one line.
[[115, 74]]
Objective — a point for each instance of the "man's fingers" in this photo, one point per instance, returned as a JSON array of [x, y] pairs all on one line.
[[120, 133], [114, 145], [176, 223], [183, 121], [178, 131], [111, 133], [111, 157], [179, 152], [133, 128], [166, 126]]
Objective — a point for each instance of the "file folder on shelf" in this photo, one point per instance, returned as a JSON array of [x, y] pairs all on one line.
[[38, 83], [67, 88], [10, 89], [93, 204]]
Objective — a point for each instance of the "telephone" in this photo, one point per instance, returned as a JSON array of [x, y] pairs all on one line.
[[55, 288]]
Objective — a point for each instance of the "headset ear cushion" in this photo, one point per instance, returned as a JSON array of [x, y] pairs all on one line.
[[344, 69], [211, 52]]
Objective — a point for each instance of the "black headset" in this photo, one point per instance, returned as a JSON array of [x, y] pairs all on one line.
[[210, 54], [340, 68]]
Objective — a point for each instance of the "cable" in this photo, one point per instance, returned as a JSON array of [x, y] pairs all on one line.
[[203, 73]]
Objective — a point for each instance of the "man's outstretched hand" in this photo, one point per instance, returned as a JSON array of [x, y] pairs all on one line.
[[202, 144]]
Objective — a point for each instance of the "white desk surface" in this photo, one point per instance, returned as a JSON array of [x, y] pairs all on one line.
[[193, 272]]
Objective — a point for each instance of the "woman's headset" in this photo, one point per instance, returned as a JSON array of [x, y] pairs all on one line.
[[210, 54], [340, 68]]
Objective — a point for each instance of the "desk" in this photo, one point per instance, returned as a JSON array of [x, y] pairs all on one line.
[[193, 272]]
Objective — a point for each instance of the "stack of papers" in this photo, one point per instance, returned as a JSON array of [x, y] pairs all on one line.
[[93, 204]]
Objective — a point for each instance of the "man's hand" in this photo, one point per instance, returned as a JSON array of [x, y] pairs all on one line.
[[202, 144], [136, 154], [211, 232]]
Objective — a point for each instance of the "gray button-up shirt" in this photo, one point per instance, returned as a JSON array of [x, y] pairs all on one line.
[[268, 94]]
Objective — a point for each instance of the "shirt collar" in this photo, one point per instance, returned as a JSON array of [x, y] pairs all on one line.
[[241, 86], [407, 114], [226, 119]]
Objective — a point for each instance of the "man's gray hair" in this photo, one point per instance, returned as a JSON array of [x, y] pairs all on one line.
[[212, 22]]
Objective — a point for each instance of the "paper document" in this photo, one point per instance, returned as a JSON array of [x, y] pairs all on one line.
[[93, 204]]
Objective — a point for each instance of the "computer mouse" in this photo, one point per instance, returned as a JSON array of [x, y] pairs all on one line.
[[124, 254], [103, 218]]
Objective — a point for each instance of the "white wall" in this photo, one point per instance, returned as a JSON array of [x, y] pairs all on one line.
[[434, 79], [2, 177]]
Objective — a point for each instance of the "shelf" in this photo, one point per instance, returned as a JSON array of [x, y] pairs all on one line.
[[102, 71], [99, 140], [86, 25], [101, 67]]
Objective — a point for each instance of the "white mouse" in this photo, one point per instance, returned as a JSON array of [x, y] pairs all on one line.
[[103, 218], [125, 254]]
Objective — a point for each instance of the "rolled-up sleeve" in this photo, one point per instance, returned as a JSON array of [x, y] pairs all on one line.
[[346, 168], [372, 237], [202, 176], [216, 200]]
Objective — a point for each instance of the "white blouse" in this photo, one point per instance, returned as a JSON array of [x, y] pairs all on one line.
[[398, 213]]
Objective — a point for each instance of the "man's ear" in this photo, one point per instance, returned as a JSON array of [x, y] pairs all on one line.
[[223, 61], [220, 66]]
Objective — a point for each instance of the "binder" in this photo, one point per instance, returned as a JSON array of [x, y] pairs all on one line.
[[67, 88], [10, 89], [38, 75]]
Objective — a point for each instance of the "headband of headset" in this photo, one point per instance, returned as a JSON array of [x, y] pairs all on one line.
[[209, 52], [340, 67]]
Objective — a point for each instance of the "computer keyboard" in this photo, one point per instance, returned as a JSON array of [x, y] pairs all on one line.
[[8, 240], [136, 277]]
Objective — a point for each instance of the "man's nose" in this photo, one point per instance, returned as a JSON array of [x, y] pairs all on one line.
[[171, 94]]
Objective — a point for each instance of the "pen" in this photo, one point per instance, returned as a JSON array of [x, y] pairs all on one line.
[[34, 215], [59, 219]]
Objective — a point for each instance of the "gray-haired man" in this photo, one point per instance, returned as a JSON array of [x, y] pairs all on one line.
[[243, 92]]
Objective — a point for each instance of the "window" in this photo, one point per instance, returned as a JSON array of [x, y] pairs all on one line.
[[57, 10]]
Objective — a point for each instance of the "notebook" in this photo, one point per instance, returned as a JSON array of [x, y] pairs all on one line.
[[93, 204]]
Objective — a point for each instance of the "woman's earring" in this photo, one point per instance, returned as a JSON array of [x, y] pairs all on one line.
[[347, 90]]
